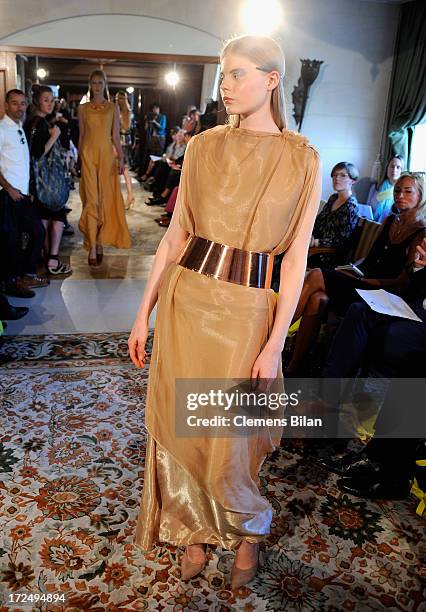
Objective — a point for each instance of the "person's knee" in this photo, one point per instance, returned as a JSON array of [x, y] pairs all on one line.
[[314, 279], [358, 310], [317, 303]]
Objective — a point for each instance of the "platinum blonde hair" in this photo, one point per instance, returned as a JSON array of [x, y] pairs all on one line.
[[266, 53]]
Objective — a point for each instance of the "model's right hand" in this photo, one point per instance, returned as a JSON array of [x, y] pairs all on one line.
[[136, 344], [15, 194], [55, 132]]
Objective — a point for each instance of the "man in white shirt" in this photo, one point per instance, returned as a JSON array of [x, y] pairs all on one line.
[[18, 215]]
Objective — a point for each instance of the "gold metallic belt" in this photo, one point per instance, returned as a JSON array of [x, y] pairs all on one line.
[[227, 263]]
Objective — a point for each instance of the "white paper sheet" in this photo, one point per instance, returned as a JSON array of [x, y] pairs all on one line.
[[154, 158], [387, 303]]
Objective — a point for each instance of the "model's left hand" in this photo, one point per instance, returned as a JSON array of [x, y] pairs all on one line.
[[265, 369]]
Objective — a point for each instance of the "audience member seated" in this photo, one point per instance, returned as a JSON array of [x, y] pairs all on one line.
[[385, 466], [173, 179], [18, 216], [192, 124], [158, 171], [384, 267], [380, 197], [338, 218]]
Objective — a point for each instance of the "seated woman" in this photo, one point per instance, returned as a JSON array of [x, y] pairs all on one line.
[[338, 218], [380, 196], [162, 193], [175, 150], [384, 267]]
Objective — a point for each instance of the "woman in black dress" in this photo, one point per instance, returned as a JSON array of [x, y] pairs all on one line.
[[338, 218], [41, 139]]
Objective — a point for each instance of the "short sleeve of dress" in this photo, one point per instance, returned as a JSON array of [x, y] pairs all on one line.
[[309, 199], [188, 180]]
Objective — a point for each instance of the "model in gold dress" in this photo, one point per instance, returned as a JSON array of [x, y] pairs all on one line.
[[103, 220], [254, 186]]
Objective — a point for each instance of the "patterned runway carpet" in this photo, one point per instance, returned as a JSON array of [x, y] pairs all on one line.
[[72, 447]]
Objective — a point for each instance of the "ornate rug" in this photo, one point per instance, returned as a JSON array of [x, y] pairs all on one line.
[[72, 447]]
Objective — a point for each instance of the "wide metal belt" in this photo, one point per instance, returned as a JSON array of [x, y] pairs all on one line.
[[227, 263]]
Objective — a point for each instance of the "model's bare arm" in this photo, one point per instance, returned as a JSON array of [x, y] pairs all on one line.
[[116, 137], [292, 273], [80, 127], [168, 250]]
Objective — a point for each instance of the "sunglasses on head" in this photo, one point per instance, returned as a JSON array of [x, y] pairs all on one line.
[[21, 134]]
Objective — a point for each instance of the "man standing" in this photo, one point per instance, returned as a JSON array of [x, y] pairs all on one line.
[[18, 217]]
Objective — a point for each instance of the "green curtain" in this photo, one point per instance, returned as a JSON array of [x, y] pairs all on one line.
[[407, 102]]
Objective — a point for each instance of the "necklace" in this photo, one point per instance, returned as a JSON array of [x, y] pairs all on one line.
[[97, 105]]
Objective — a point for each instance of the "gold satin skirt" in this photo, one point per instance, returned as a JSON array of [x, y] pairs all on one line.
[[175, 509], [203, 489]]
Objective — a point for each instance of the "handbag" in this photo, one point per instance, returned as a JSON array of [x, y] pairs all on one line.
[[51, 183]]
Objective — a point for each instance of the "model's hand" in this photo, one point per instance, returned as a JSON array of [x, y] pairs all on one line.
[[265, 369], [136, 343], [15, 194]]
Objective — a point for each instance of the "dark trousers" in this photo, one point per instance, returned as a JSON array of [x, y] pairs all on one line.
[[400, 344], [16, 219], [402, 411], [388, 339], [160, 173]]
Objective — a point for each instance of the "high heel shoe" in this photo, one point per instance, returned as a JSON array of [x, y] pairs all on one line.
[[92, 261], [99, 255], [189, 569], [240, 577], [129, 204]]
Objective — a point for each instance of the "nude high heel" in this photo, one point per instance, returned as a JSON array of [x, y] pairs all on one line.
[[99, 254], [129, 204], [240, 577], [189, 569]]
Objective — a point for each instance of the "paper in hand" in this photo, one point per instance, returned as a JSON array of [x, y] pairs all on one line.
[[387, 303]]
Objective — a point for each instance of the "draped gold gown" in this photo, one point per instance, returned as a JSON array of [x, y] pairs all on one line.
[[103, 220], [248, 190]]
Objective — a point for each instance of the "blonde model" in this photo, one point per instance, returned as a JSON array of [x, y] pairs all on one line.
[[249, 191]]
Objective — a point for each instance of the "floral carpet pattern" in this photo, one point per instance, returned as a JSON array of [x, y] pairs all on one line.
[[72, 448]]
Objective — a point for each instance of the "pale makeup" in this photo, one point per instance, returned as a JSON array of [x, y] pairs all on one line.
[[245, 89], [97, 85]]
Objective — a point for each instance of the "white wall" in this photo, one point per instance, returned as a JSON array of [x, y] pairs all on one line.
[[344, 116]]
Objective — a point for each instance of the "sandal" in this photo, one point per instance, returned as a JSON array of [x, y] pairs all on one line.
[[60, 268]]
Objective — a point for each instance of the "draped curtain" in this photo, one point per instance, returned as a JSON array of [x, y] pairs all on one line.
[[407, 102]]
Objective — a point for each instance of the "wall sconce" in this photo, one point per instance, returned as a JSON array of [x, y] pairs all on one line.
[[309, 72]]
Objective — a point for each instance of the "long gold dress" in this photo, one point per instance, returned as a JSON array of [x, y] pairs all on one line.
[[248, 190], [103, 220]]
